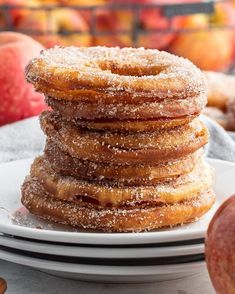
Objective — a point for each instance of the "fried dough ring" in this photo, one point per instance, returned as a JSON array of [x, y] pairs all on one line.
[[220, 89], [231, 115], [66, 165], [113, 75], [134, 125], [124, 111], [88, 216], [216, 114], [67, 188], [124, 149]]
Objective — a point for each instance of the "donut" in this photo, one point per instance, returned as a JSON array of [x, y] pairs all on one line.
[[216, 114], [114, 194], [231, 114], [136, 218], [220, 88], [118, 148], [111, 75], [132, 175], [123, 111]]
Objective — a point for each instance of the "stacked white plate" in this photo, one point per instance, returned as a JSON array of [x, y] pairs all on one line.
[[104, 257]]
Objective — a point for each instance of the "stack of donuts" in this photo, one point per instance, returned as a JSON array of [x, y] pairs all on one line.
[[124, 141]]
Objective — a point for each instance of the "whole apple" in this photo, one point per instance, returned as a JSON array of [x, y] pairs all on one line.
[[151, 19], [208, 49], [220, 248], [61, 20], [18, 99]]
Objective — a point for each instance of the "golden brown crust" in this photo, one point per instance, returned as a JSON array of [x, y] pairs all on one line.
[[113, 73], [133, 219], [124, 111], [140, 174], [114, 194], [119, 148]]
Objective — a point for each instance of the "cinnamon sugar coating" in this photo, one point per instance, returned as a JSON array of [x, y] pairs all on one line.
[[131, 175], [114, 194], [133, 73], [124, 141], [125, 219], [119, 148]]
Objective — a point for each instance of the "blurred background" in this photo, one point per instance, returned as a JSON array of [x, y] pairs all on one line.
[[203, 31]]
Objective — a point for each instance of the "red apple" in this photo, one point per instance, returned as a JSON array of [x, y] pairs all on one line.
[[208, 49], [220, 248], [60, 20], [82, 2], [150, 19], [153, 19], [2, 22], [13, 13], [113, 21], [18, 99]]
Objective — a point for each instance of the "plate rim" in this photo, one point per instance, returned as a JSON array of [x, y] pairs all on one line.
[[101, 270], [111, 252]]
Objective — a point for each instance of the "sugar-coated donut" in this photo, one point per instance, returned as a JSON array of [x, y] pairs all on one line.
[[114, 75], [132, 175], [119, 148], [136, 218]]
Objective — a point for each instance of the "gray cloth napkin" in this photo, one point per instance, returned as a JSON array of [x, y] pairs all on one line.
[[25, 139], [22, 139]]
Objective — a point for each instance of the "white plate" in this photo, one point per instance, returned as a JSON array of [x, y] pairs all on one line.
[[99, 252], [11, 178], [108, 274]]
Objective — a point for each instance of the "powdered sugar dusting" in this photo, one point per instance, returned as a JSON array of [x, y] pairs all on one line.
[[86, 83], [115, 69]]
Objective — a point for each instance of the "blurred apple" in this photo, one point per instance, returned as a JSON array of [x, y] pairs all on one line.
[[13, 13], [123, 19], [113, 21], [82, 2], [153, 19], [54, 27], [208, 49], [49, 2], [18, 99], [220, 248], [2, 22]]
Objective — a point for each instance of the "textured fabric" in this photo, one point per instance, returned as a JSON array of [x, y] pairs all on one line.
[[221, 145], [22, 139], [25, 139]]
